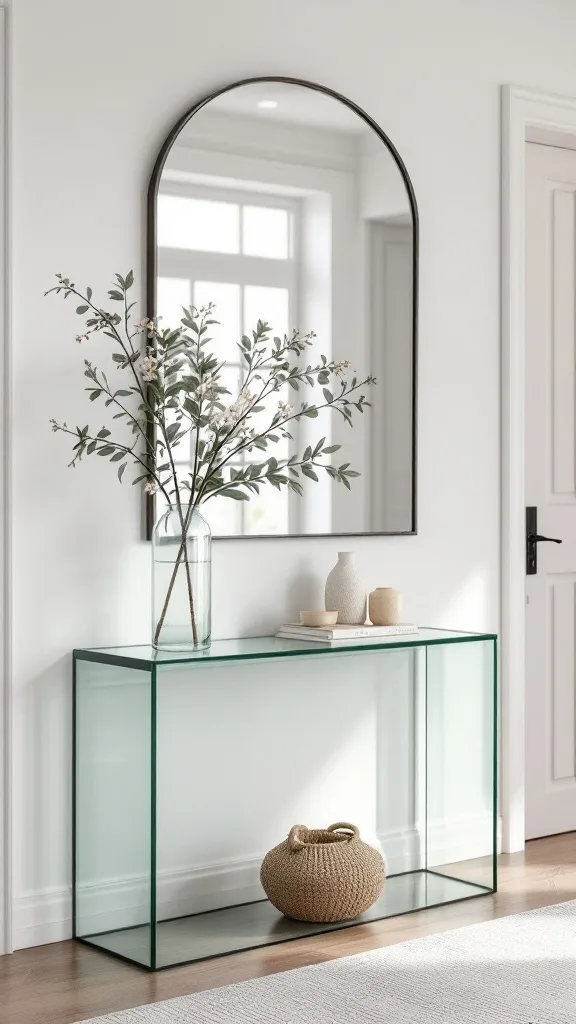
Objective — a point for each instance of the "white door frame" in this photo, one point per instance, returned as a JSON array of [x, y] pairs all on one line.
[[522, 110], [5, 426]]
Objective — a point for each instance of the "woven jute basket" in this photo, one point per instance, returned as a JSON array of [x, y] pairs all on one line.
[[323, 875]]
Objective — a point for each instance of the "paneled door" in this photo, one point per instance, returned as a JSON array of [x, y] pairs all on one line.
[[550, 456], [5, 888]]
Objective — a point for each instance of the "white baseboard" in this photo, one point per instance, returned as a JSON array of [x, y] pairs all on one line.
[[402, 849], [42, 917], [463, 838], [46, 916]]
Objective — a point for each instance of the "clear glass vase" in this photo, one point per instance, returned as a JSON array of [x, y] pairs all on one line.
[[181, 581]]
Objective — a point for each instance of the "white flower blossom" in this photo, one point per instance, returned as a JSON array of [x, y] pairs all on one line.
[[238, 408], [148, 325], [340, 368], [81, 337], [285, 408], [151, 487], [148, 368], [208, 389], [216, 419]]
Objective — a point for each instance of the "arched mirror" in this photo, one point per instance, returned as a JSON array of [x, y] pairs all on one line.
[[280, 201]]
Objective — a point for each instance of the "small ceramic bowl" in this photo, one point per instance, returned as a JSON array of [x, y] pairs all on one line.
[[318, 618]]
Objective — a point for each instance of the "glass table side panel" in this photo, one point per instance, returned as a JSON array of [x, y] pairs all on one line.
[[231, 929], [277, 647], [113, 802], [460, 761]]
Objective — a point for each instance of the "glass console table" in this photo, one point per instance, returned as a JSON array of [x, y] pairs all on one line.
[[187, 768]]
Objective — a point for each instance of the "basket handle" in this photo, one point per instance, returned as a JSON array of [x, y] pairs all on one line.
[[345, 826], [294, 842]]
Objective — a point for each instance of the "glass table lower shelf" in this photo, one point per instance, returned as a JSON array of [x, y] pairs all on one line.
[[250, 925]]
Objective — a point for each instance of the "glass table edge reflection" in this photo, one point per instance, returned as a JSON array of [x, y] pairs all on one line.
[[279, 647]]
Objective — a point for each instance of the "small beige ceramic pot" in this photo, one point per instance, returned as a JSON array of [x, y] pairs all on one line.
[[385, 607], [318, 618]]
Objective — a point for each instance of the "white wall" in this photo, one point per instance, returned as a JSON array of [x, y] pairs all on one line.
[[95, 87]]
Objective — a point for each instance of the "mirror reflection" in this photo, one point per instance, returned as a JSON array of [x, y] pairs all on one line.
[[279, 203]]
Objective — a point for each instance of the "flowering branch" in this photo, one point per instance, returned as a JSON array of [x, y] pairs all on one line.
[[176, 388]]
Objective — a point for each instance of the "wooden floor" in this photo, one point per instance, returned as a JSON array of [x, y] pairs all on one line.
[[65, 982]]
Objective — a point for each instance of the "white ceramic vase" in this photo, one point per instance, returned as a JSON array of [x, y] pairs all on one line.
[[346, 591]]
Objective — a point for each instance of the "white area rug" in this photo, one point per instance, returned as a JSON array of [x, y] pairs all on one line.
[[518, 970]]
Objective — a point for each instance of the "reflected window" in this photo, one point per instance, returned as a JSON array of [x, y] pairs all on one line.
[[247, 243], [265, 232], [190, 223]]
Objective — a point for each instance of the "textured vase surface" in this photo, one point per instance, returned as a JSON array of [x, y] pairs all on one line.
[[385, 607], [346, 591]]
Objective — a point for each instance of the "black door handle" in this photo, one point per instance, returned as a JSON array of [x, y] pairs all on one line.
[[533, 538]]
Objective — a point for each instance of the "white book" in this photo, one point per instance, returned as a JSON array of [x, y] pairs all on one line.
[[330, 634]]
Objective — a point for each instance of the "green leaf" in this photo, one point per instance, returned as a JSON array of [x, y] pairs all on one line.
[[328, 395], [118, 456], [307, 471], [118, 358], [143, 476], [95, 395], [116, 296], [88, 294], [121, 471], [107, 450], [233, 493], [103, 433], [333, 448], [129, 281], [124, 394], [294, 486], [92, 447], [307, 454], [81, 309]]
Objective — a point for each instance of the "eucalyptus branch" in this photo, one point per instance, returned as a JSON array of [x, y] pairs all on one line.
[[178, 381], [101, 443], [92, 373], [279, 424]]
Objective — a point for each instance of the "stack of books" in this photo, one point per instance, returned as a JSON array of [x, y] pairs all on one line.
[[333, 634]]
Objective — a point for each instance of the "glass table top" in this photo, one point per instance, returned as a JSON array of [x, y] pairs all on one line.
[[272, 647]]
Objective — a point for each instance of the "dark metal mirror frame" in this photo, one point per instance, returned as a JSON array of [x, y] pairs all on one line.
[[151, 274]]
